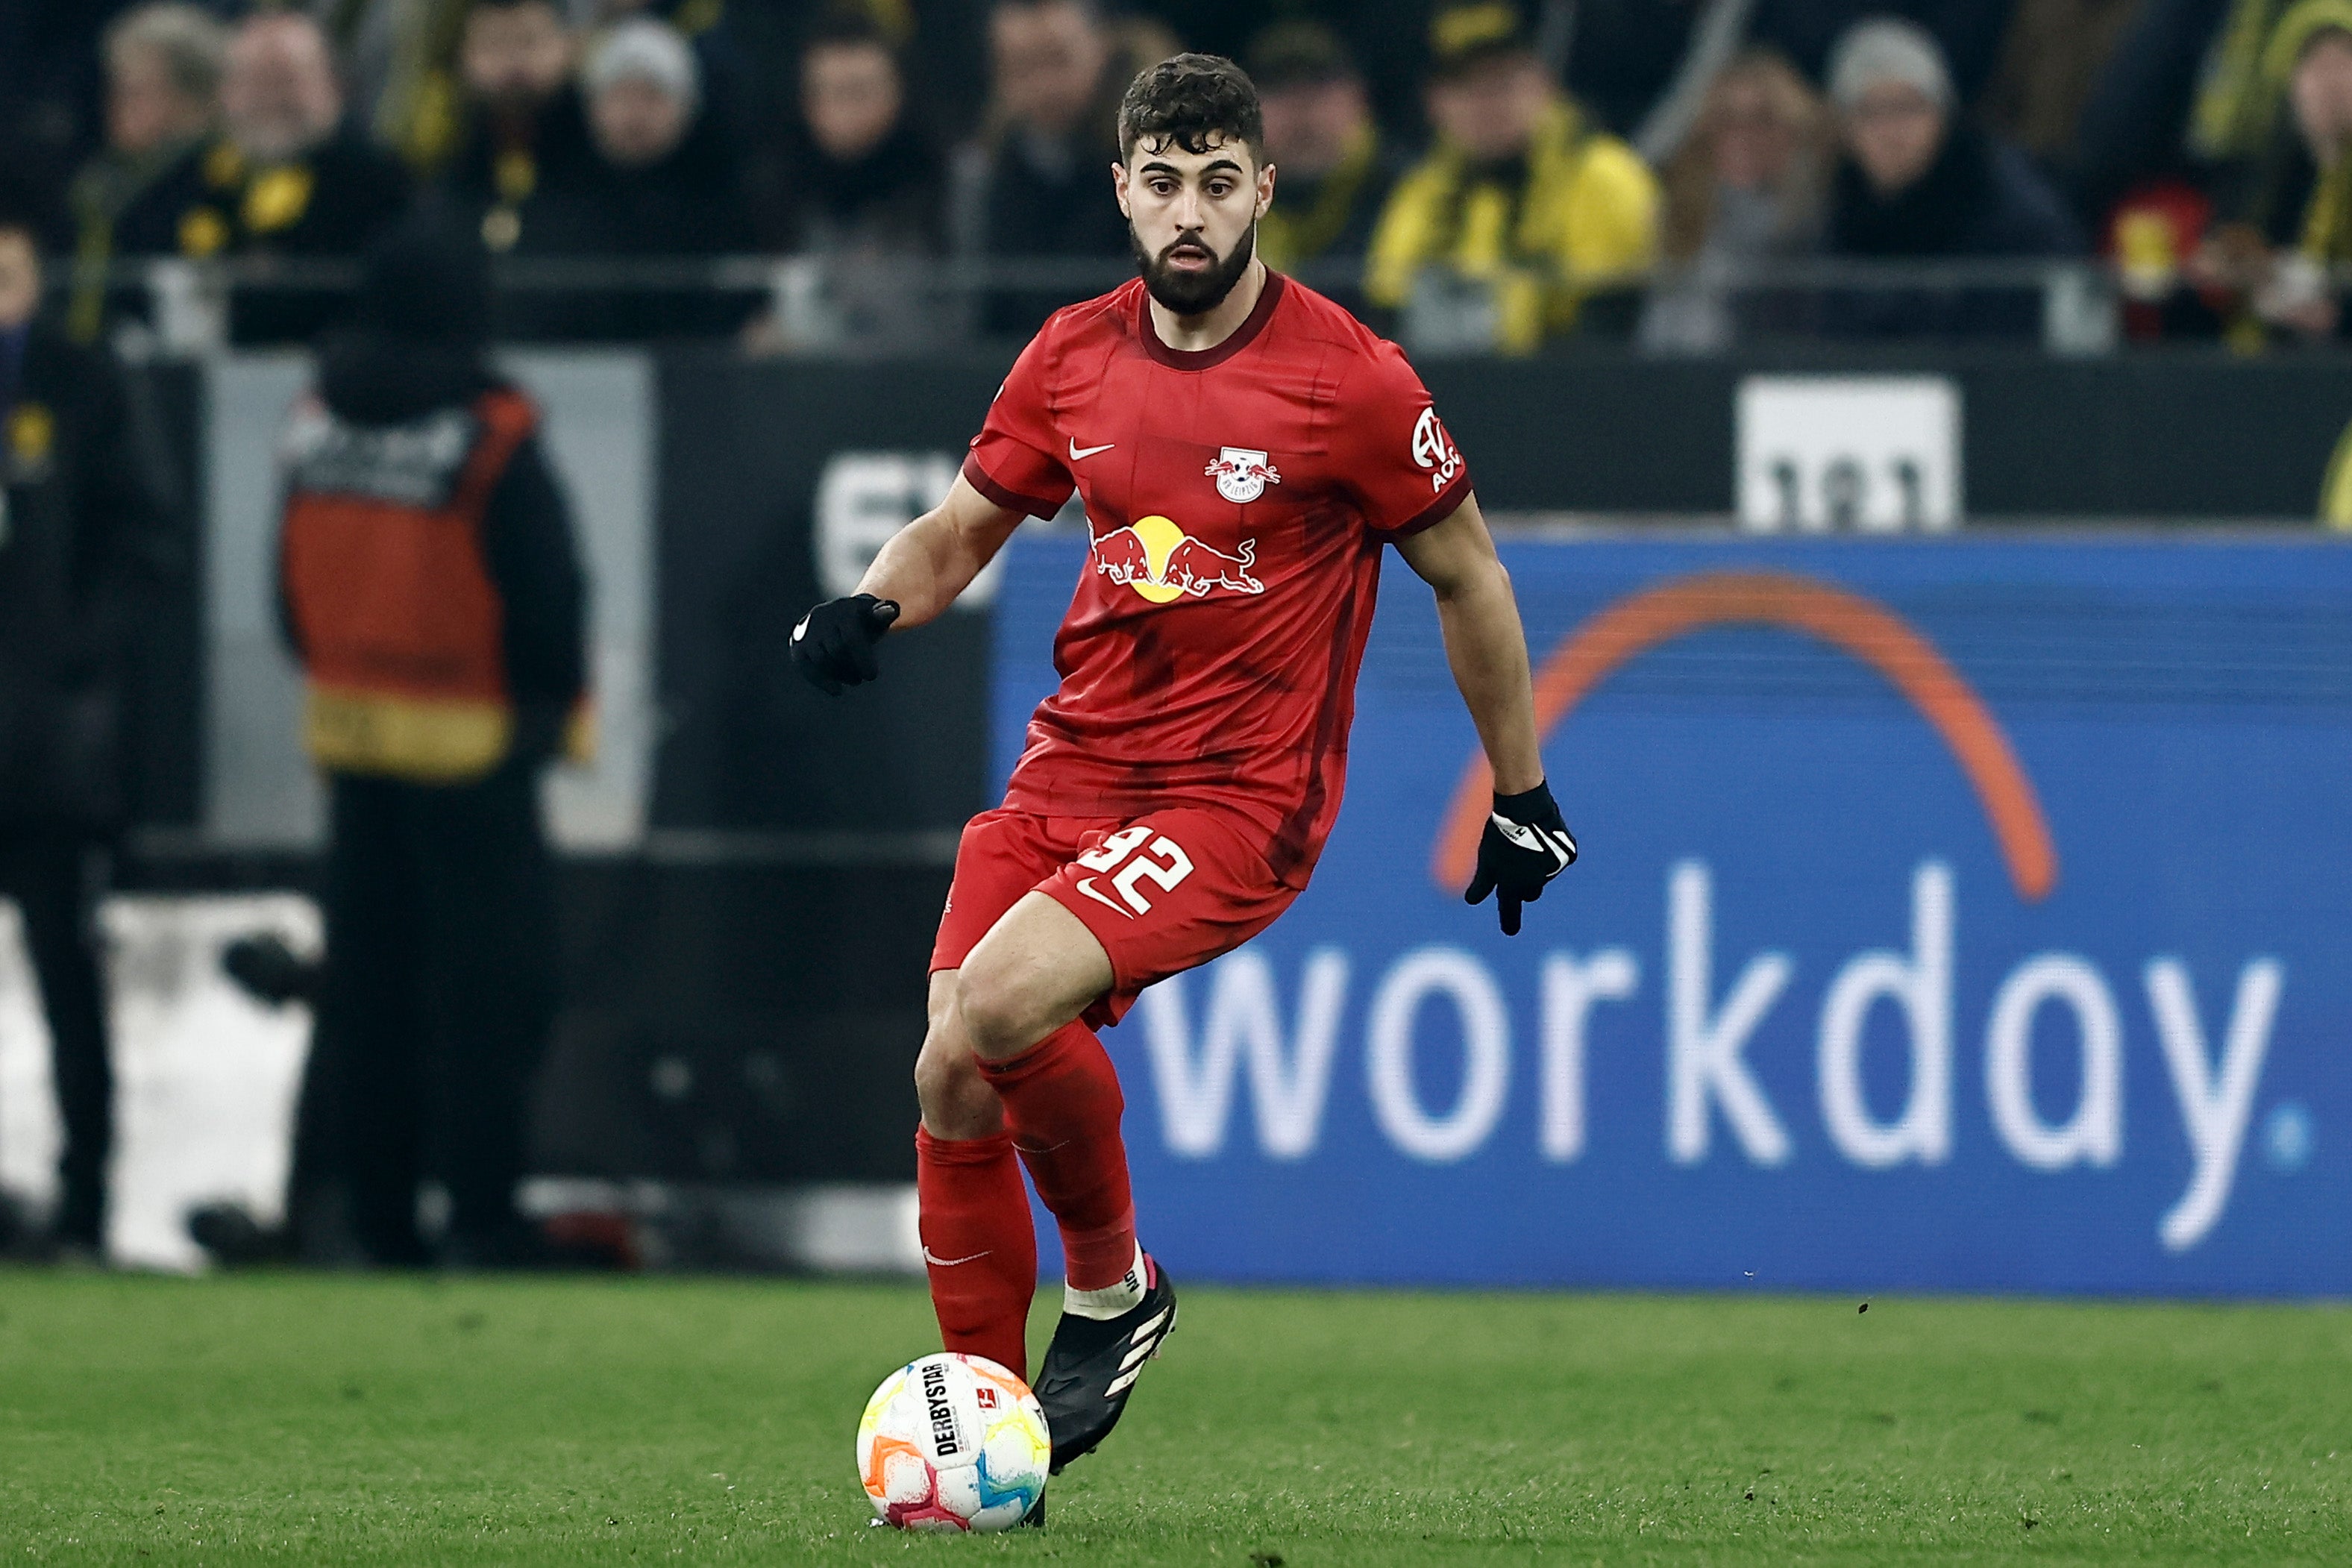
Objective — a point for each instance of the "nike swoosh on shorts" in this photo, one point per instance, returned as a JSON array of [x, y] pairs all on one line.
[[1086, 886]]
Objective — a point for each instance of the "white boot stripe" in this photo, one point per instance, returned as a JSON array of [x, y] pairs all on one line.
[[1138, 1354], [1150, 1326], [1121, 1381]]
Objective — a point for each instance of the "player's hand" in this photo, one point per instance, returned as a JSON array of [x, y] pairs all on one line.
[[1526, 845], [833, 645]]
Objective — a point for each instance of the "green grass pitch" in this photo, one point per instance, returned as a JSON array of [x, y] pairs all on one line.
[[356, 1420]]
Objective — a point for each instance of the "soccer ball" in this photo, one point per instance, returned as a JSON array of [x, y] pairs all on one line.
[[954, 1442]]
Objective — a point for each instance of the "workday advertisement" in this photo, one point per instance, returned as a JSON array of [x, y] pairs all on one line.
[[1965, 914]]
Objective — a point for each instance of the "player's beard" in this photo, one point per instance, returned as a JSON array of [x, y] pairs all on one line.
[[1194, 293]]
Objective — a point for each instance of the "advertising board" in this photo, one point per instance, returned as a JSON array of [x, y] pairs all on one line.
[[1956, 914]]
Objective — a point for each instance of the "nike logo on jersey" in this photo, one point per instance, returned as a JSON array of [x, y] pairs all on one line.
[[1086, 886], [934, 1258], [1080, 454]]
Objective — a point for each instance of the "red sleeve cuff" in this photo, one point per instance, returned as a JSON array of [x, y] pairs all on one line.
[[1011, 500], [1448, 502]]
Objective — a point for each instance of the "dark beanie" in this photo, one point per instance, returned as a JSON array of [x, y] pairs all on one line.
[[425, 283]]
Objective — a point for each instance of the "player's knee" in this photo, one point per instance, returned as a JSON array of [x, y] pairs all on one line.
[[956, 1101], [993, 1018], [942, 1078]]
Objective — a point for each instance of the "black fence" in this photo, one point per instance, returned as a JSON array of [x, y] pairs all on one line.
[[916, 305]]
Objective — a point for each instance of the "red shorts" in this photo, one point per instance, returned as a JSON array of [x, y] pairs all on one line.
[[1163, 892]]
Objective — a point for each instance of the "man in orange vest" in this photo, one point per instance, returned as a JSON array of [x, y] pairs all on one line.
[[431, 589]]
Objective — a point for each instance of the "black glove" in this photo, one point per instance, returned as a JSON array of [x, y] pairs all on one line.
[[834, 643], [1526, 845]]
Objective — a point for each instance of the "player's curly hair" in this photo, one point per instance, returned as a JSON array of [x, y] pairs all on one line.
[[1185, 100]]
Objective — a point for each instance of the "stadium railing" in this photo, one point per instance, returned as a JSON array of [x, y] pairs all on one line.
[[813, 304]]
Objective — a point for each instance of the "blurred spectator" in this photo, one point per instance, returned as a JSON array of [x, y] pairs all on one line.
[[417, 52], [1714, 35], [1524, 223], [1968, 32], [2279, 259], [654, 178], [644, 94], [51, 115], [1919, 182], [1039, 182], [1333, 169], [163, 95], [856, 186], [432, 591], [2050, 64], [709, 28], [2335, 486], [284, 179], [289, 177], [2130, 130], [402, 56], [662, 186], [669, 187], [528, 128], [2236, 110], [84, 525], [2156, 236], [1388, 40], [162, 79], [1750, 185], [2152, 188], [1643, 68], [856, 176]]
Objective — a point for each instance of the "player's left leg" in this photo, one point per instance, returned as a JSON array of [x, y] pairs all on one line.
[[1158, 896], [980, 1250], [1019, 997], [1033, 973]]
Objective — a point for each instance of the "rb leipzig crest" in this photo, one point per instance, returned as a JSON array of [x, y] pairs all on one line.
[[1242, 475]]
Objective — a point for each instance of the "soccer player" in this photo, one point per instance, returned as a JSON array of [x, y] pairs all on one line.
[[1245, 449]]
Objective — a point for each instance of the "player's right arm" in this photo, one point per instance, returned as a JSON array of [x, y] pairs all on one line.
[[1014, 470], [915, 576], [933, 559]]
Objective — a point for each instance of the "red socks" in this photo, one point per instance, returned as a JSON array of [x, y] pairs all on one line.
[[978, 1246], [1063, 1104]]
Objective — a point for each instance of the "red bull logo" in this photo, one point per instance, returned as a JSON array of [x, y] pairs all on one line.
[[1164, 564]]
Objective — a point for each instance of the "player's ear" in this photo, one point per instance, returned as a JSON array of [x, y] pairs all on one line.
[[1265, 188], [1119, 187]]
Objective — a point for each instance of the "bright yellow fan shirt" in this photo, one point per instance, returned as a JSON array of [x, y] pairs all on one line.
[[1580, 214]]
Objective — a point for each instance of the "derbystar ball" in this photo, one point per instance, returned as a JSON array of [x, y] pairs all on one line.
[[954, 1442]]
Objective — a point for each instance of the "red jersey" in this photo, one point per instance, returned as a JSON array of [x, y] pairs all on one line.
[[1238, 499]]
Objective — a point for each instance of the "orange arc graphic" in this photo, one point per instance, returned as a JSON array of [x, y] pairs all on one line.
[[1869, 631]]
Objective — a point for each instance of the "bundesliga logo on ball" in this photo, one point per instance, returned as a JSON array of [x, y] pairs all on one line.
[[954, 1442]]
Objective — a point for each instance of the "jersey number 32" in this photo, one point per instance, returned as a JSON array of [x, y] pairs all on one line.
[[1163, 863]]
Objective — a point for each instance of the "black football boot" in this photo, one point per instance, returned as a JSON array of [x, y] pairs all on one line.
[[1092, 1365]]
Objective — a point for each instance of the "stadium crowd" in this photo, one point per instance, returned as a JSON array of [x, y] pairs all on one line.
[[1473, 174]]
